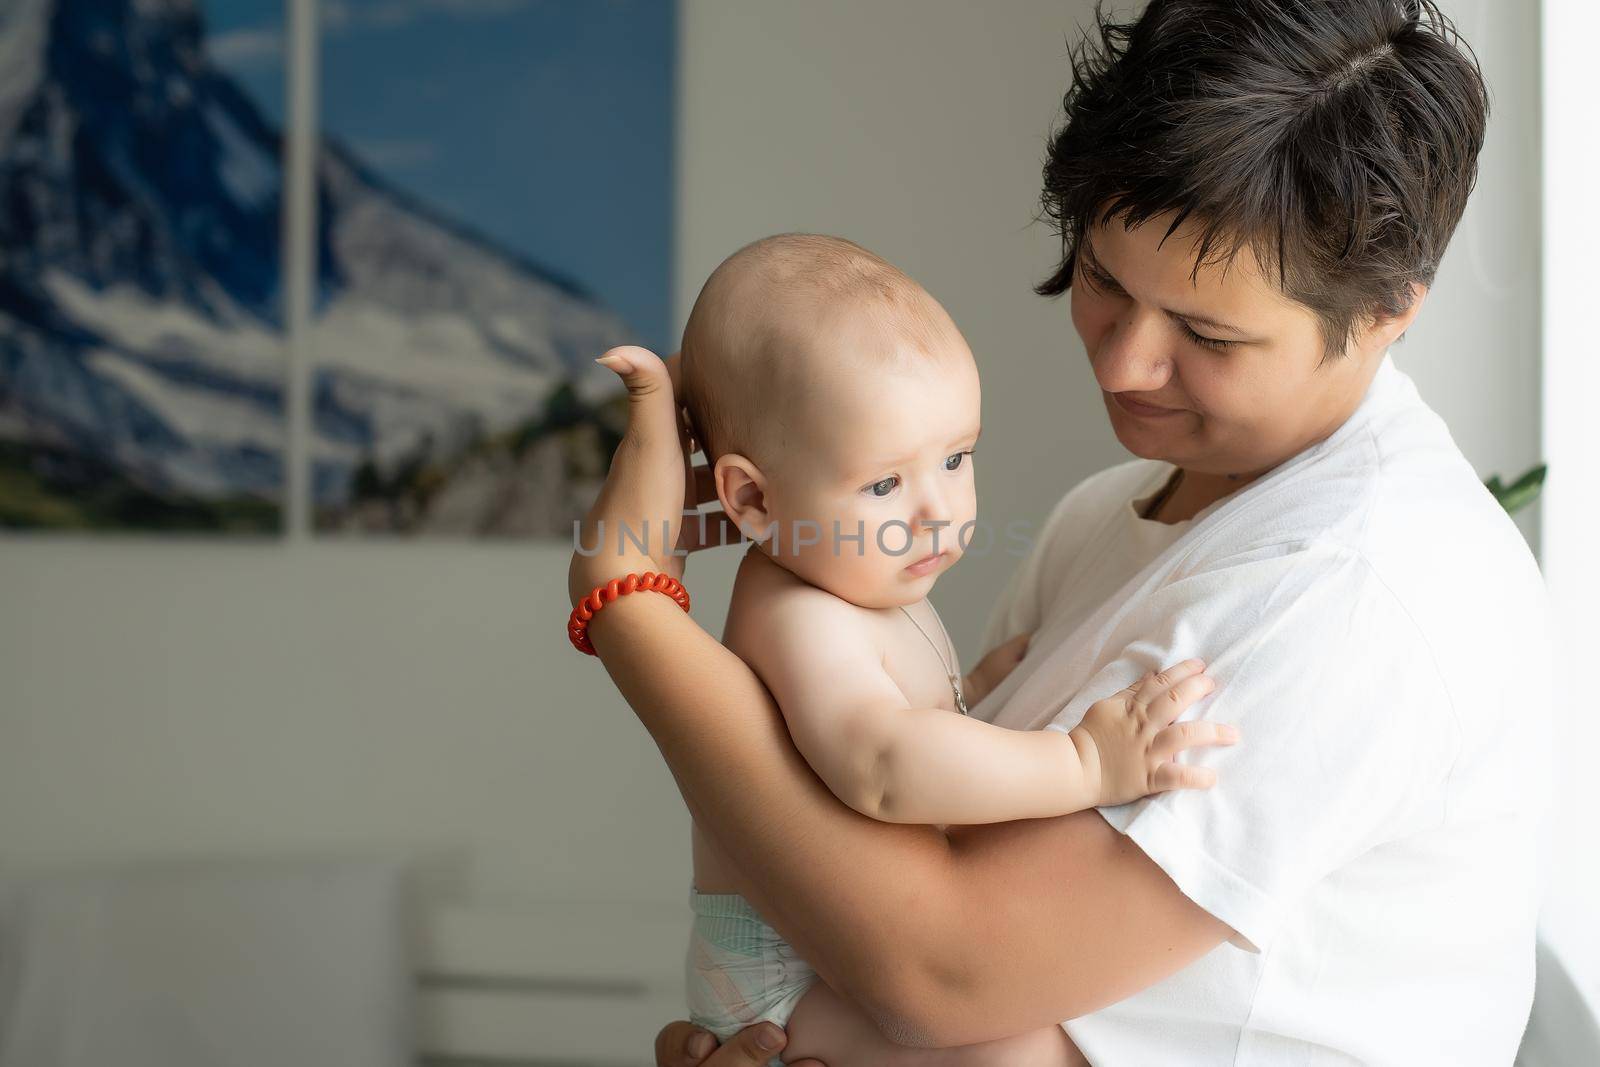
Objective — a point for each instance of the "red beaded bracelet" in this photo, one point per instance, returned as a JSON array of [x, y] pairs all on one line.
[[601, 595]]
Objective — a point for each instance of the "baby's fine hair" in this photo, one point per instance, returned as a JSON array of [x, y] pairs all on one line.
[[746, 346]]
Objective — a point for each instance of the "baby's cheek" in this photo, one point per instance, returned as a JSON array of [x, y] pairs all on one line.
[[834, 565], [872, 577]]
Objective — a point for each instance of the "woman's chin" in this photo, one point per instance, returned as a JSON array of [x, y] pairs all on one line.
[[1168, 439], [1140, 440]]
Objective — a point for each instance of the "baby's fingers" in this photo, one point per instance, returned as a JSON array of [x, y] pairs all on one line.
[[1182, 776], [1149, 689], [1197, 733], [1174, 699]]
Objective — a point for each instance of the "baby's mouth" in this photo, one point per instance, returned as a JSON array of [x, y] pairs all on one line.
[[928, 562]]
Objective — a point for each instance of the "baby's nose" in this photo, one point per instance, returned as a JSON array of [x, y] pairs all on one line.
[[933, 511]]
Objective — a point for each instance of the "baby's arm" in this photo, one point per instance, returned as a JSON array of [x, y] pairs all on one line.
[[821, 659]]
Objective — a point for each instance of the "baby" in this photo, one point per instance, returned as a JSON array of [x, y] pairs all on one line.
[[838, 407]]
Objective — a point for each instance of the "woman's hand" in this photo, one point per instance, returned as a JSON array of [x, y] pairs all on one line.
[[635, 523], [682, 1044], [993, 668]]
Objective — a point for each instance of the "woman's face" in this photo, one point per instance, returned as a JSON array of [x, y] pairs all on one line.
[[1219, 373]]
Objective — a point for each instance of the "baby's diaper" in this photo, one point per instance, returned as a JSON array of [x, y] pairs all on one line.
[[740, 971]]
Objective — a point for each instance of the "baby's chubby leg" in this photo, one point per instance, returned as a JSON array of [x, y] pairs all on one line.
[[829, 1028]]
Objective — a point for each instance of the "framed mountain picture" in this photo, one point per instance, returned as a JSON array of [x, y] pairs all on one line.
[[494, 197], [141, 333]]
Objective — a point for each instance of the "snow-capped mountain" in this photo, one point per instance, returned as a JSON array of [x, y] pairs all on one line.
[[141, 314]]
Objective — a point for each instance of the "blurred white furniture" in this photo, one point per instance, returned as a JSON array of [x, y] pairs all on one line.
[[321, 962], [572, 984], [207, 963]]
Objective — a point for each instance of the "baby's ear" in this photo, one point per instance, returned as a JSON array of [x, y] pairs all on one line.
[[742, 489]]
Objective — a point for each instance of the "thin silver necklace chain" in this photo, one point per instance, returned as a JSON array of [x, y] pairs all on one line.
[[947, 663]]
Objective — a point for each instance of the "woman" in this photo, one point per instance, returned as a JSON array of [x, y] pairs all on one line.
[[1253, 197]]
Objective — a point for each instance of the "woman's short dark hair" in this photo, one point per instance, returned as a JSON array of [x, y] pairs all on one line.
[[1338, 139]]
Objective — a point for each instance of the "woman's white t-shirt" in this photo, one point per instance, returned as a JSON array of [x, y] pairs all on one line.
[[1377, 628]]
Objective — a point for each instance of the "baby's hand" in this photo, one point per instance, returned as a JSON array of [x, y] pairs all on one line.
[[993, 668], [1132, 740]]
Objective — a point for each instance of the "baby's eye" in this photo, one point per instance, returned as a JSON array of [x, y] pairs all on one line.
[[884, 487], [953, 462]]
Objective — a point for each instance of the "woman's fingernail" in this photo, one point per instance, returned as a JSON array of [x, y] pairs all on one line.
[[701, 1044], [769, 1039]]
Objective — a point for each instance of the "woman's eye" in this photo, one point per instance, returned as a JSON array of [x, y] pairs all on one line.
[[1203, 341], [1098, 282], [885, 487]]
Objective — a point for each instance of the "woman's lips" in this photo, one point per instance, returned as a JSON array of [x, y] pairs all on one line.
[[1141, 409], [926, 564]]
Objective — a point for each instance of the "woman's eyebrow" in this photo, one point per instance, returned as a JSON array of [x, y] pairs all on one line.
[[1095, 267]]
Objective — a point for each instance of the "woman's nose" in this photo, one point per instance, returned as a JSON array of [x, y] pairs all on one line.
[[1132, 356]]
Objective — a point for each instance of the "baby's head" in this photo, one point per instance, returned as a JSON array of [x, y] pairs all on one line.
[[830, 392]]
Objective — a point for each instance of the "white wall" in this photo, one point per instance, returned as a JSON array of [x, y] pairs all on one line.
[[1572, 512], [1475, 349], [191, 695]]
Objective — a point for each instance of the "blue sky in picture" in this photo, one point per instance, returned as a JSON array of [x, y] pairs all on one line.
[[544, 125]]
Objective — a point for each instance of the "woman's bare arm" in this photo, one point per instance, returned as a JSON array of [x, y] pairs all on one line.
[[722, 736]]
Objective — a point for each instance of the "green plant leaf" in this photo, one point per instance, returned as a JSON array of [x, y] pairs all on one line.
[[1520, 493]]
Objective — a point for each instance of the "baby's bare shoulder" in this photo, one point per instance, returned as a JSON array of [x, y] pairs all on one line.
[[773, 613], [821, 658]]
